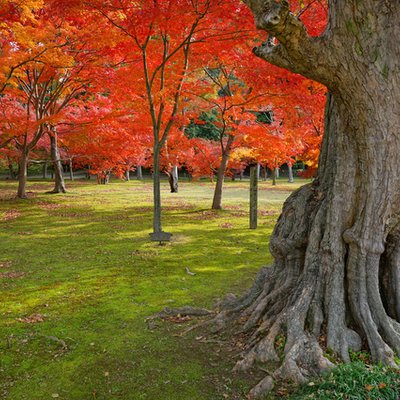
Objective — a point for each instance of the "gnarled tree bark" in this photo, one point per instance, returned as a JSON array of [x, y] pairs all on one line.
[[336, 245]]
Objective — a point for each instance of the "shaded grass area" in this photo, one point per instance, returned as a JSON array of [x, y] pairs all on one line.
[[78, 276]]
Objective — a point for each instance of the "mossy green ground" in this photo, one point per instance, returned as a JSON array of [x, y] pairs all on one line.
[[78, 276], [83, 264]]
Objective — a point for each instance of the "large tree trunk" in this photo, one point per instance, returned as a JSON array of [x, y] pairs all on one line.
[[59, 184], [337, 243]]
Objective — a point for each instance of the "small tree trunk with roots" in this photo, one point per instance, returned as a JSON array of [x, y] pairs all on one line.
[[337, 243]]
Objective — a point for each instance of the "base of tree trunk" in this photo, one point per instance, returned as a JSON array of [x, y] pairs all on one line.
[[302, 301], [56, 191]]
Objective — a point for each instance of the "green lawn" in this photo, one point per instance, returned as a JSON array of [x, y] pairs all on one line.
[[78, 277]]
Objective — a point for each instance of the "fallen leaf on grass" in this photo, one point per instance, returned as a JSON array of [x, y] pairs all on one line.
[[12, 275], [206, 215], [178, 319], [267, 213], [382, 385], [32, 319], [5, 264], [10, 215], [282, 391], [226, 225], [48, 206]]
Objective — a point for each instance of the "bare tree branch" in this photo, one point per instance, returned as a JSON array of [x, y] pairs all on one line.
[[296, 50]]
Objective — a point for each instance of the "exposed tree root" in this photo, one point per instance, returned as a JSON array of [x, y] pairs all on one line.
[[182, 311], [303, 298]]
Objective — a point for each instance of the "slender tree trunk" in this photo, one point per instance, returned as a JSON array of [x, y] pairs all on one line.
[[139, 173], [241, 174], [277, 172], [45, 170], [217, 200], [253, 196], [290, 171], [156, 192], [22, 174], [336, 246], [127, 175], [274, 177], [71, 170], [11, 172], [59, 184], [173, 179], [265, 174]]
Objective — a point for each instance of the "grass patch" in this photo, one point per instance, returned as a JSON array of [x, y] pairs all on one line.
[[355, 381], [78, 276]]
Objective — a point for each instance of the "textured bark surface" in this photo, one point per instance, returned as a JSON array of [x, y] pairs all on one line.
[[22, 174], [335, 281], [59, 184], [173, 179]]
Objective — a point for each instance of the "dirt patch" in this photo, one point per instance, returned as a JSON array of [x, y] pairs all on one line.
[[239, 214], [10, 215], [206, 215], [12, 275], [72, 214], [179, 207], [32, 319], [5, 264], [226, 225], [268, 213], [48, 206]]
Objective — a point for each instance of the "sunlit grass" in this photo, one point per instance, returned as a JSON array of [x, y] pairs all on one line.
[[90, 273]]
